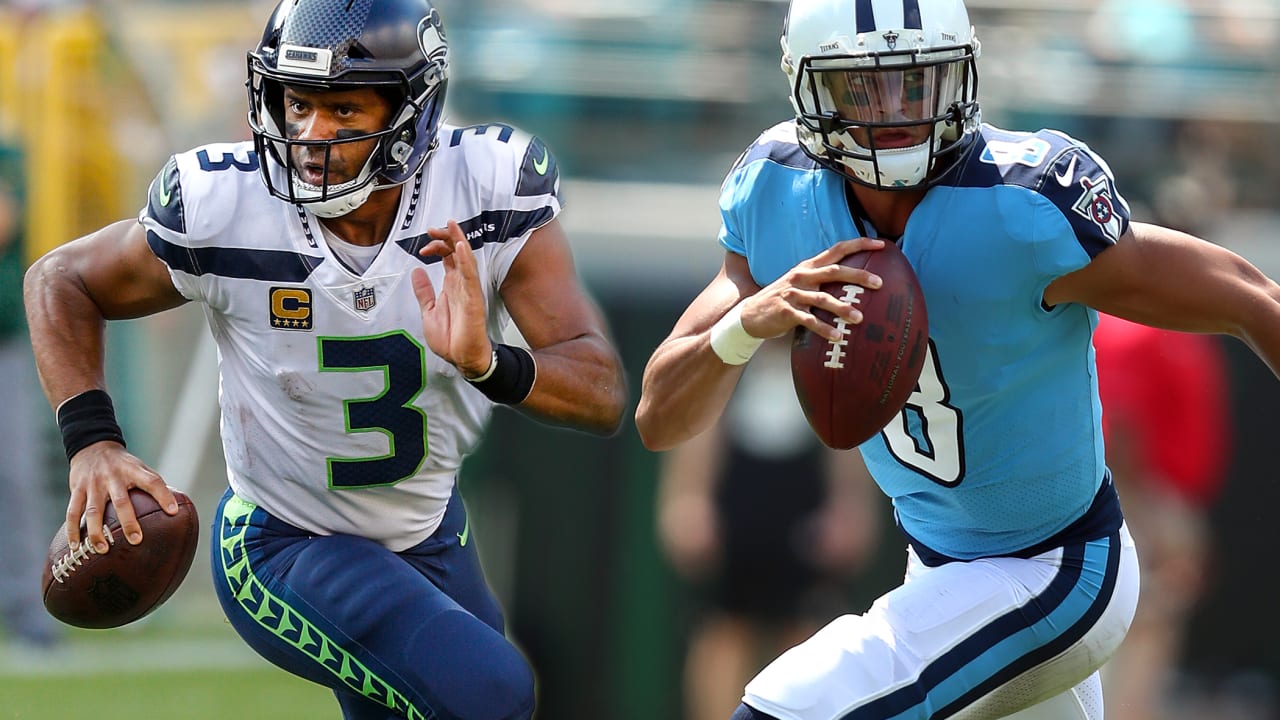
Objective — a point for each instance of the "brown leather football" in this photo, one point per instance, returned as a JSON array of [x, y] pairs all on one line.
[[89, 590], [852, 388]]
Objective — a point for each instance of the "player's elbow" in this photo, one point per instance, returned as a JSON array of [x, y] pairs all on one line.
[[603, 402], [40, 273], [43, 278], [611, 409], [654, 442], [654, 433]]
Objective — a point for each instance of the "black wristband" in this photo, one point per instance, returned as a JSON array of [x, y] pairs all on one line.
[[510, 377], [86, 419]]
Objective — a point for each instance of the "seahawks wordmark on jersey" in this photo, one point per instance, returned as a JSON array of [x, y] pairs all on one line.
[[336, 416]]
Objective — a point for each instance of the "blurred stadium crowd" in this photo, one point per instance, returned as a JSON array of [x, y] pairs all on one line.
[[646, 103]]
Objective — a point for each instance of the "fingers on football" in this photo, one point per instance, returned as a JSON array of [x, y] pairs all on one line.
[[76, 508], [836, 273], [808, 301], [848, 247], [145, 479], [808, 318], [158, 489], [816, 326], [94, 506], [124, 512]]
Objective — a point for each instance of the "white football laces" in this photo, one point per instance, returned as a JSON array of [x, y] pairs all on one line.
[[76, 555]]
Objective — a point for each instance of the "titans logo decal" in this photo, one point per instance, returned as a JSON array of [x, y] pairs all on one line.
[[1097, 205]]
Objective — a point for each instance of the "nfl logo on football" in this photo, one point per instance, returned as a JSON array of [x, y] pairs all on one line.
[[365, 299]]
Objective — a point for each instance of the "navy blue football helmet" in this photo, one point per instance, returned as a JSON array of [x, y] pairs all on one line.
[[395, 46]]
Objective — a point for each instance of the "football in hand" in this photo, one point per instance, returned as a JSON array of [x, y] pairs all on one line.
[[91, 590], [851, 388]]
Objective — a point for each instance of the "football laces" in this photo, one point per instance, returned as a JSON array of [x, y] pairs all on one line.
[[75, 556]]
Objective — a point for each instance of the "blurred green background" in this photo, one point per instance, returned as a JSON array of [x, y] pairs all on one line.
[[646, 104]]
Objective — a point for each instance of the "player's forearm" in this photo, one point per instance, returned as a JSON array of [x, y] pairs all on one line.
[[685, 389], [580, 384], [66, 329]]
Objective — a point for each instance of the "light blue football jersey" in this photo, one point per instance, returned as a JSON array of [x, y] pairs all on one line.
[[999, 448]]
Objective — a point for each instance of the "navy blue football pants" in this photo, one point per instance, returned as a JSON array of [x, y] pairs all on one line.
[[414, 635]]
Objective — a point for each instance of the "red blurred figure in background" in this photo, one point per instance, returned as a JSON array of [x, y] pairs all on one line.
[[1166, 418]]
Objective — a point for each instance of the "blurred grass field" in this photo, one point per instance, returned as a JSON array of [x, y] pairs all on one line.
[[184, 662], [180, 695]]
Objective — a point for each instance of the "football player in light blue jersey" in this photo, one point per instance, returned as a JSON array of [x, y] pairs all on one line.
[[1021, 578], [357, 263]]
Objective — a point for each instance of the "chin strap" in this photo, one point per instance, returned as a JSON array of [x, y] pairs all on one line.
[[343, 204]]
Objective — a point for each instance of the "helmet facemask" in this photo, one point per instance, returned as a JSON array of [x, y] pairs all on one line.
[[387, 164], [395, 47], [888, 121], [884, 92]]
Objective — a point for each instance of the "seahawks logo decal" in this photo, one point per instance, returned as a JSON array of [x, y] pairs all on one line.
[[432, 41]]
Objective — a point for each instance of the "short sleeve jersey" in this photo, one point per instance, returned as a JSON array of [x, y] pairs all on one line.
[[335, 415], [1000, 446]]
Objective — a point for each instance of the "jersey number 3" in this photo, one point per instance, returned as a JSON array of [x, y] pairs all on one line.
[[392, 413], [927, 435]]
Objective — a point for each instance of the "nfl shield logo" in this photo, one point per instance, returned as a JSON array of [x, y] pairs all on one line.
[[365, 299]]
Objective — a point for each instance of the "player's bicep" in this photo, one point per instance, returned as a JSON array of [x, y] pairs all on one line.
[[120, 273], [1164, 278]]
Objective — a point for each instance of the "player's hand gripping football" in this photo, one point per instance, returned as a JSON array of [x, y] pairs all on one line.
[[791, 299], [453, 316], [103, 473]]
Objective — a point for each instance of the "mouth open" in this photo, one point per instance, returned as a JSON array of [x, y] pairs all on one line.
[[893, 139], [311, 174]]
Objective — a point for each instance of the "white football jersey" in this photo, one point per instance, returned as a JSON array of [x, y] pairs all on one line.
[[336, 416]]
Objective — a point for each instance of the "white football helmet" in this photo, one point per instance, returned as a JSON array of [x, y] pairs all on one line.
[[885, 91]]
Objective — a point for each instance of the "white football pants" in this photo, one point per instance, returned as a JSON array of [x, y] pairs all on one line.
[[974, 640]]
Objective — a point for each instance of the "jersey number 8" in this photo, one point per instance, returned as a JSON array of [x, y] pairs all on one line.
[[927, 433]]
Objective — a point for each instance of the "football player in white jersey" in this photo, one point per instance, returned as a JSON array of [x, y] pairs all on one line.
[[358, 262], [1021, 578]]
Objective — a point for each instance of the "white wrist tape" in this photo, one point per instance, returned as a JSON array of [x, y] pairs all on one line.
[[730, 340]]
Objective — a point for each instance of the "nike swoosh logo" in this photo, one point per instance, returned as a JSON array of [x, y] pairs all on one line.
[[541, 165], [466, 533], [165, 192], [1066, 176]]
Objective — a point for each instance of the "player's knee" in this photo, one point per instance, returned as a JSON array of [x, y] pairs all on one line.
[[474, 672], [499, 688], [790, 681], [511, 685]]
